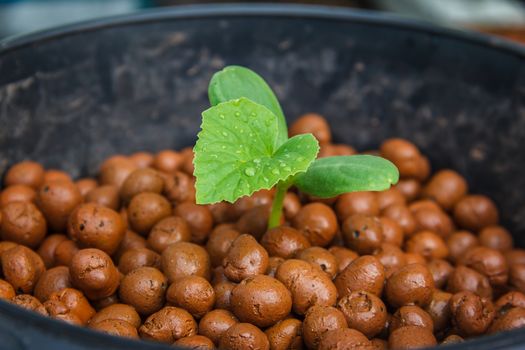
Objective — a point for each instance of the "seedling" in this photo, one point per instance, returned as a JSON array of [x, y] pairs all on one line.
[[244, 147]]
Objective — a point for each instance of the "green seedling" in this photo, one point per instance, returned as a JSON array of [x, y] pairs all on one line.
[[243, 147]]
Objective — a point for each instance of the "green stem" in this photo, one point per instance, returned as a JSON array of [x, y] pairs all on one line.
[[277, 205]]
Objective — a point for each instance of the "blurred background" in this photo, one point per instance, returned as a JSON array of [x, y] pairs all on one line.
[[499, 17]]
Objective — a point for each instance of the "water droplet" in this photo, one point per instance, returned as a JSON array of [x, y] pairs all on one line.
[[256, 160], [266, 180], [252, 134], [286, 156], [214, 156], [300, 159], [238, 151], [249, 171], [287, 168], [221, 116], [236, 103], [253, 114], [282, 165], [241, 131], [237, 114], [224, 133], [268, 122], [223, 147], [276, 171]]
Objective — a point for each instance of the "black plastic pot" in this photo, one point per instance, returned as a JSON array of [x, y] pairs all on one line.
[[70, 97]]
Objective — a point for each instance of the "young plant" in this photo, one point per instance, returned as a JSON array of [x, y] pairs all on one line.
[[244, 147]]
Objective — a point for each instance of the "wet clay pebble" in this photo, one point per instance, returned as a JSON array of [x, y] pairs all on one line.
[[308, 285], [363, 234], [115, 170], [458, 243], [471, 314], [22, 268], [439, 310], [121, 312], [508, 319], [94, 226], [435, 220], [7, 292], [245, 258], [85, 185], [215, 323], [64, 252], [47, 249], [254, 221], [22, 223], [389, 197], [146, 209], [291, 205], [441, 271], [392, 231], [192, 293], [411, 315], [115, 327], [139, 181], [17, 193], [446, 187], [74, 302], [428, 244], [475, 212], [510, 299], [402, 215], [409, 188], [185, 259], [142, 159], [317, 222], [364, 312], [344, 339], [106, 196], [467, 279], [93, 272], [343, 257], [199, 220], [223, 291], [243, 336], [412, 284], [286, 334], [391, 257], [452, 339], [312, 123], [411, 337], [168, 231], [364, 203], [144, 288], [196, 342], [25, 173], [179, 187], [138, 257], [284, 242], [57, 200], [168, 161], [130, 241], [29, 302], [489, 262], [168, 325], [219, 243], [496, 237], [319, 320], [52, 280], [320, 258], [261, 300], [365, 273]]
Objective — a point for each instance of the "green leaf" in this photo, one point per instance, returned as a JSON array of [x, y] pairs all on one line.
[[234, 82], [235, 154], [331, 176]]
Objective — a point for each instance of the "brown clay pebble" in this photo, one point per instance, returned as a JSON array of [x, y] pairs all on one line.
[[168, 161], [22, 267], [17, 193], [364, 312], [365, 273], [185, 259], [47, 249], [245, 258], [510, 299], [466, 279], [402, 215], [411, 337], [514, 256], [286, 334], [320, 258], [284, 242], [489, 262], [29, 302], [317, 222], [85, 185], [215, 323], [115, 327], [223, 291], [361, 233], [291, 205], [319, 320], [130, 241], [120, 312], [434, 220], [243, 336], [199, 219], [57, 200], [7, 292], [439, 309], [139, 181], [364, 203], [312, 123], [507, 320], [52, 280], [168, 325], [261, 300], [446, 187], [142, 159], [309, 285], [219, 243], [428, 244], [53, 174], [452, 339], [179, 187], [114, 171], [106, 196], [344, 339], [64, 252], [95, 226], [75, 302], [105, 302], [412, 284], [392, 231], [517, 277], [496, 237], [144, 289], [25, 173], [22, 223], [441, 271], [391, 257], [343, 257], [411, 315], [389, 197], [92, 271], [410, 188], [475, 212], [139, 257], [192, 293], [379, 344], [458, 243], [195, 342], [168, 231], [471, 314], [146, 209], [254, 221]]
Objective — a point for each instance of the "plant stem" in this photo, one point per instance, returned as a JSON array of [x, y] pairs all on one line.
[[277, 205]]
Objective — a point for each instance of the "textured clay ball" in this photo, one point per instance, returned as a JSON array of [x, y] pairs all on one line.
[[402, 215], [218, 244], [428, 244], [115, 170], [510, 299], [411, 337], [17, 193], [254, 221], [115, 327], [284, 242], [411, 315], [467, 279], [446, 187], [309, 285], [85, 185], [106, 196], [199, 219], [146, 209], [52, 280], [29, 302], [435, 220], [223, 291], [245, 258], [130, 241], [22, 223], [412, 284], [92, 271], [75, 302], [343, 257], [475, 212], [312, 123], [64, 252], [458, 243], [139, 181], [439, 310], [365, 273], [142, 159], [507, 320], [496, 237], [179, 187], [168, 161], [120, 312], [261, 300], [25, 173], [168, 325], [344, 338], [392, 232], [47, 249], [489, 262], [95, 226], [319, 320], [364, 312], [7, 292], [139, 257], [144, 289], [321, 258], [409, 188], [391, 257], [286, 334], [361, 233], [364, 203], [471, 314], [215, 323], [441, 271], [317, 222], [192, 293], [168, 231], [195, 342], [57, 200], [22, 267], [185, 259], [243, 336]]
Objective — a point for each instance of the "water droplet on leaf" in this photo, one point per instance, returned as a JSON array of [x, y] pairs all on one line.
[[249, 171], [224, 133], [276, 171], [221, 116]]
